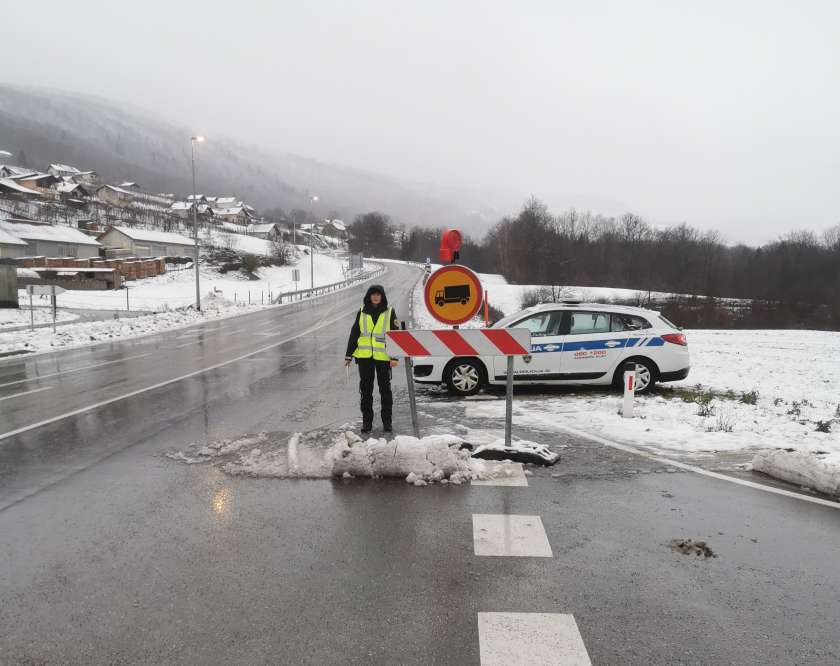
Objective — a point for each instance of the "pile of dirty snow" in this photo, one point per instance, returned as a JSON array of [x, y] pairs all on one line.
[[815, 470], [342, 453]]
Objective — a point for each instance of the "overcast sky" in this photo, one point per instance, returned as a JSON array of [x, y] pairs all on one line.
[[720, 114]]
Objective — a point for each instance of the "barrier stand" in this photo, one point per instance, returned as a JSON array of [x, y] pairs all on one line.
[[629, 390], [509, 401], [412, 400], [452, 343]]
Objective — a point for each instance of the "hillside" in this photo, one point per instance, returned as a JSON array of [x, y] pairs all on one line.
[[120, 144]]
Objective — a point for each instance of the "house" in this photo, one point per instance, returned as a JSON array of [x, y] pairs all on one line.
[[269, 231], [37, 181], [129, 185], [198, 197], [10, 171], [116, 196], [11, 186], [237, 215], [51, 240], [183, 209], [225, 202], [11, 245], [334, 228], [71, 190], [145, 243], [67, 171]]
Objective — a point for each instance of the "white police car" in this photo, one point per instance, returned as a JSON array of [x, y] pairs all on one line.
[[572, 343]]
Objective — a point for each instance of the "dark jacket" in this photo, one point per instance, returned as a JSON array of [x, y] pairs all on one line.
[[374, 311]]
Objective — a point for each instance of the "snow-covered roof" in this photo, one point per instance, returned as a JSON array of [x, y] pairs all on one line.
[[15, 171], [197, 197], [68, 187], [261, 228], [338, 224], [228, 211], [153, 236], [10, 184], [129, 184], [45, 232], [34, 175], [9, 239], [225, 201], [116, 189], [70, 170], [181, 205]]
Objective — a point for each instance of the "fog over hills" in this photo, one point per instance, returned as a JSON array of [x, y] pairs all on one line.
[[124, 144]]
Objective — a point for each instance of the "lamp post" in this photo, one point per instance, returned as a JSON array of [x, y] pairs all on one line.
[[312, 200], [194, 140]]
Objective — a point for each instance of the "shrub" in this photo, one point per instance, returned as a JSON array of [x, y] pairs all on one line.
[[704, 403], [250, 263], [750, 397], [823, 426]]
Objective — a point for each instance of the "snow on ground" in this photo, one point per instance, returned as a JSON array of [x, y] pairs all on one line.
[[168, 298], [326, 453], [792, 377], [176, 289], [9, 317], [90, 332]]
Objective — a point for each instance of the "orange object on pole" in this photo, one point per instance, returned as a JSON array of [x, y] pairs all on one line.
[[486, 310], [450, 246]]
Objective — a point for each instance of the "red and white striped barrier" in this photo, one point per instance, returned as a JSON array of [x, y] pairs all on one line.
[[460, 342]]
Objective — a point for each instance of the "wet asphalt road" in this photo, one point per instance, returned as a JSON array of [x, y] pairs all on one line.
[[111, 553]]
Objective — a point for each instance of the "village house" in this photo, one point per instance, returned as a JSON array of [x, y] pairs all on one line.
[[9, 186], [78, 176], [12, 246], [51, 240], [269, 231], [116, 196], [146, 243]]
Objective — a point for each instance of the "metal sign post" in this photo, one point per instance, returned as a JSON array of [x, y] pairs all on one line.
[[296, 277], [629, 390], [50, 290], [31, 309], [509, 401]]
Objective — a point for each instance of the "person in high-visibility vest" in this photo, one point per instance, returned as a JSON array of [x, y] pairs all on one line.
[[367, 346]]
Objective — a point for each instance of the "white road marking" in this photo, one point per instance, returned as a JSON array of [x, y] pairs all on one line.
[[65, 372], [530, 639], [189, 344], [228, 333], [504, 474], [697, 470], [503, 535], [82, 410], [17, 395]]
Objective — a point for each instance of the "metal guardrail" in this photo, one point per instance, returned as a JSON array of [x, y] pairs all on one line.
[[290, 296]]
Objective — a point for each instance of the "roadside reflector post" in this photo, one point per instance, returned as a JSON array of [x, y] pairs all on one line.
[[629, 390], [54, 307], [509, 401], [31, 309]]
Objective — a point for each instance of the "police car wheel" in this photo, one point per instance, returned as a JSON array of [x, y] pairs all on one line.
[[464, 377], [646, 375]]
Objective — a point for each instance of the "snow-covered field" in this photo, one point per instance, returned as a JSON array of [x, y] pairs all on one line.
[[765, 390], [176, 289], [167, 297], [13, 318]]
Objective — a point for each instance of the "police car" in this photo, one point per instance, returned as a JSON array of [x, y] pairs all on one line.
[[572, 343]]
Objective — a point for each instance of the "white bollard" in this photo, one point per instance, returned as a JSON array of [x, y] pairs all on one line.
[[629, 390]]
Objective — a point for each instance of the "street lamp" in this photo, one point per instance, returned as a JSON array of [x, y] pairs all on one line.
[[194, 140], [312, 200]]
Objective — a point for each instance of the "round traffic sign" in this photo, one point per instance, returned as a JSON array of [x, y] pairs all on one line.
[[453, 294]]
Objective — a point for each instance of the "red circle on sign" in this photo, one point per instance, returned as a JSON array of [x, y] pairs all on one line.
[[436, 303]]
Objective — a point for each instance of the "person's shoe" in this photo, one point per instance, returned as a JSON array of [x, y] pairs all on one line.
[[366, 429], [387, 428]]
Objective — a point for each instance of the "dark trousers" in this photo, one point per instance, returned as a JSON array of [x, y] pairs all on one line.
[[382, 369]]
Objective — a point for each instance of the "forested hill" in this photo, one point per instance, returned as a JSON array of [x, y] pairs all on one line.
[[48, 126]]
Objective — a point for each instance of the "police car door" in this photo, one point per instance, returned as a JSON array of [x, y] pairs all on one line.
[[590, 349], [543, 363]]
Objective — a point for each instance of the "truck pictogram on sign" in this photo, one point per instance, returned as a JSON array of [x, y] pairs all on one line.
[[459, 293]]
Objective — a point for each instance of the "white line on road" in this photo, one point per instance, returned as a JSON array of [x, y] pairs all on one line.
[[82, 410], [695, 469], [35, 378], [236, 332], [189, 344], [504, 535], [17, 395], [530, 639]]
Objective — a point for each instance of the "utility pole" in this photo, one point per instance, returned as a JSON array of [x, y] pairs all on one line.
[[312, 200], [193, 141]]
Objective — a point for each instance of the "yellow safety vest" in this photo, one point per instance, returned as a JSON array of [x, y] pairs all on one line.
[[371, 341]]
